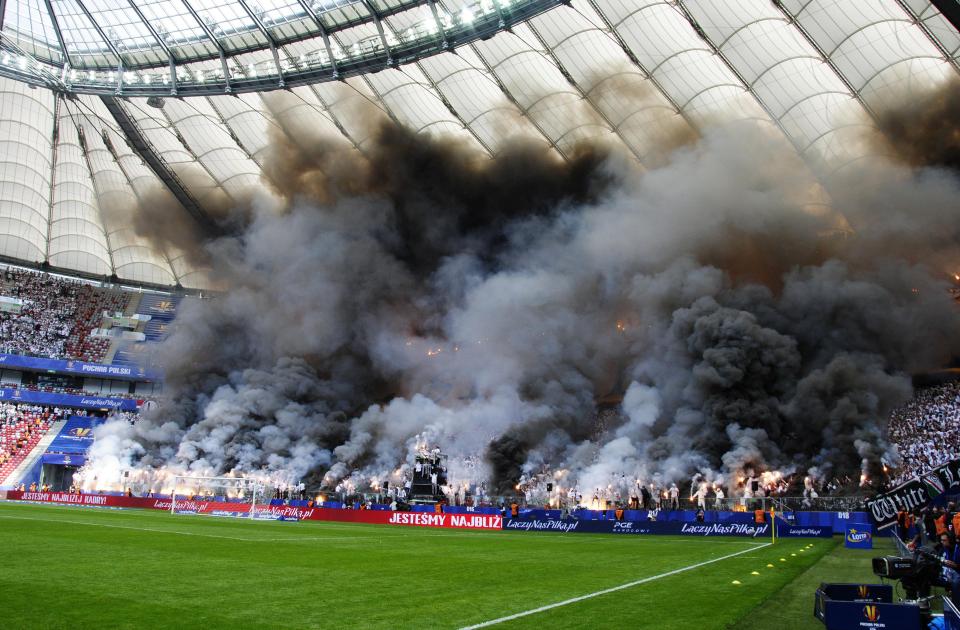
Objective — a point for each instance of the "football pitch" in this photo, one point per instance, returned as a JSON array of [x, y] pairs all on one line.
[[71, 567]]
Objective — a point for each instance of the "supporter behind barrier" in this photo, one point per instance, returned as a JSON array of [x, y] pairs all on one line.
[[926, 431]]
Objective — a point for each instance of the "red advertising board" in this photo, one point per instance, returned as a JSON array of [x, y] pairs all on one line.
[[375, 517]]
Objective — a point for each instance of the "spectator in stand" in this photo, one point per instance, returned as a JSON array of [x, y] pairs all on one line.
[[21, 427], [57, 316], [926, 431]]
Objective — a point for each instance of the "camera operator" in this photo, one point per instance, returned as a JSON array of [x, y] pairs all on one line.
[[949, 553]]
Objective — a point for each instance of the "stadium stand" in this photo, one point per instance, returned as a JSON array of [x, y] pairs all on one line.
[[926, 431], [57, 316], [21, 428], [162, 309]]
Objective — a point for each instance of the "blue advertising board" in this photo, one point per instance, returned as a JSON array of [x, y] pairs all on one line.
[[64, 459], [67, 400], [858, 537], [674, 528], [81, 368], [76, 436], [789, 530], [846, 606]]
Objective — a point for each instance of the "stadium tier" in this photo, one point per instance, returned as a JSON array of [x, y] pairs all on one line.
[[52, 316], [22, 428], [65, 336]]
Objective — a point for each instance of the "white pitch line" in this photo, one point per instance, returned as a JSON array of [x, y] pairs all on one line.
[[614, 589]]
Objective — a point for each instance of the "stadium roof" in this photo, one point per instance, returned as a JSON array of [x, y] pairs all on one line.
[[88, 126]]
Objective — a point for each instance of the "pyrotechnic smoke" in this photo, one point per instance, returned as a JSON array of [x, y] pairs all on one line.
[[424, 293], [927, 131]]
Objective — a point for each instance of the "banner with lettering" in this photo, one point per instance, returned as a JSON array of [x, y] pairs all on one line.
[[670, 528], [914, 494], [674, 528], [76, 436], [234, 508], [82, 368], [68, 400]]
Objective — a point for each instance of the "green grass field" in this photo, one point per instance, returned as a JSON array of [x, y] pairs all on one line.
[[70, 567]]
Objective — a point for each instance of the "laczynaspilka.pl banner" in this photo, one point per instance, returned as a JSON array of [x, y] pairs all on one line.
[[67, 400], [914, 494], [670, 528]]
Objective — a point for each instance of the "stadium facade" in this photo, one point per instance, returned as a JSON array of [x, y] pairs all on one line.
[[106, 102]]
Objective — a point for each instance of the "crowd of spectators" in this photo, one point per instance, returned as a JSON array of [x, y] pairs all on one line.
[[926, 431], [21, 427], [57, 316]]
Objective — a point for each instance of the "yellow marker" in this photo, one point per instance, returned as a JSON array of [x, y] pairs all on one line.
[[737, 582], [754, 573], [769, 566], [783, 559], [794, 555]]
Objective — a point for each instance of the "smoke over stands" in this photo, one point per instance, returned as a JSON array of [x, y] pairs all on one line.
[[421, 293]]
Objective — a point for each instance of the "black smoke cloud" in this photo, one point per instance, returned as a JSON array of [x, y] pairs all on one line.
[[429, 294], [927, 131]]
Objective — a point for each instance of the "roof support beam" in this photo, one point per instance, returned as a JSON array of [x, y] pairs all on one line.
[[270, 38], [107, 41], [513, 99], [159, 167], [136, 193], [440, 29], [830, 62], [323, 33], [63, 44], [379, 23], [612, 32], [54, 145], [385, 52], [170, 60], [950, 10], [438, 93], [3, 11], [82, 138], [584, 95], [682, 9], [213, 39], [926, 31]]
